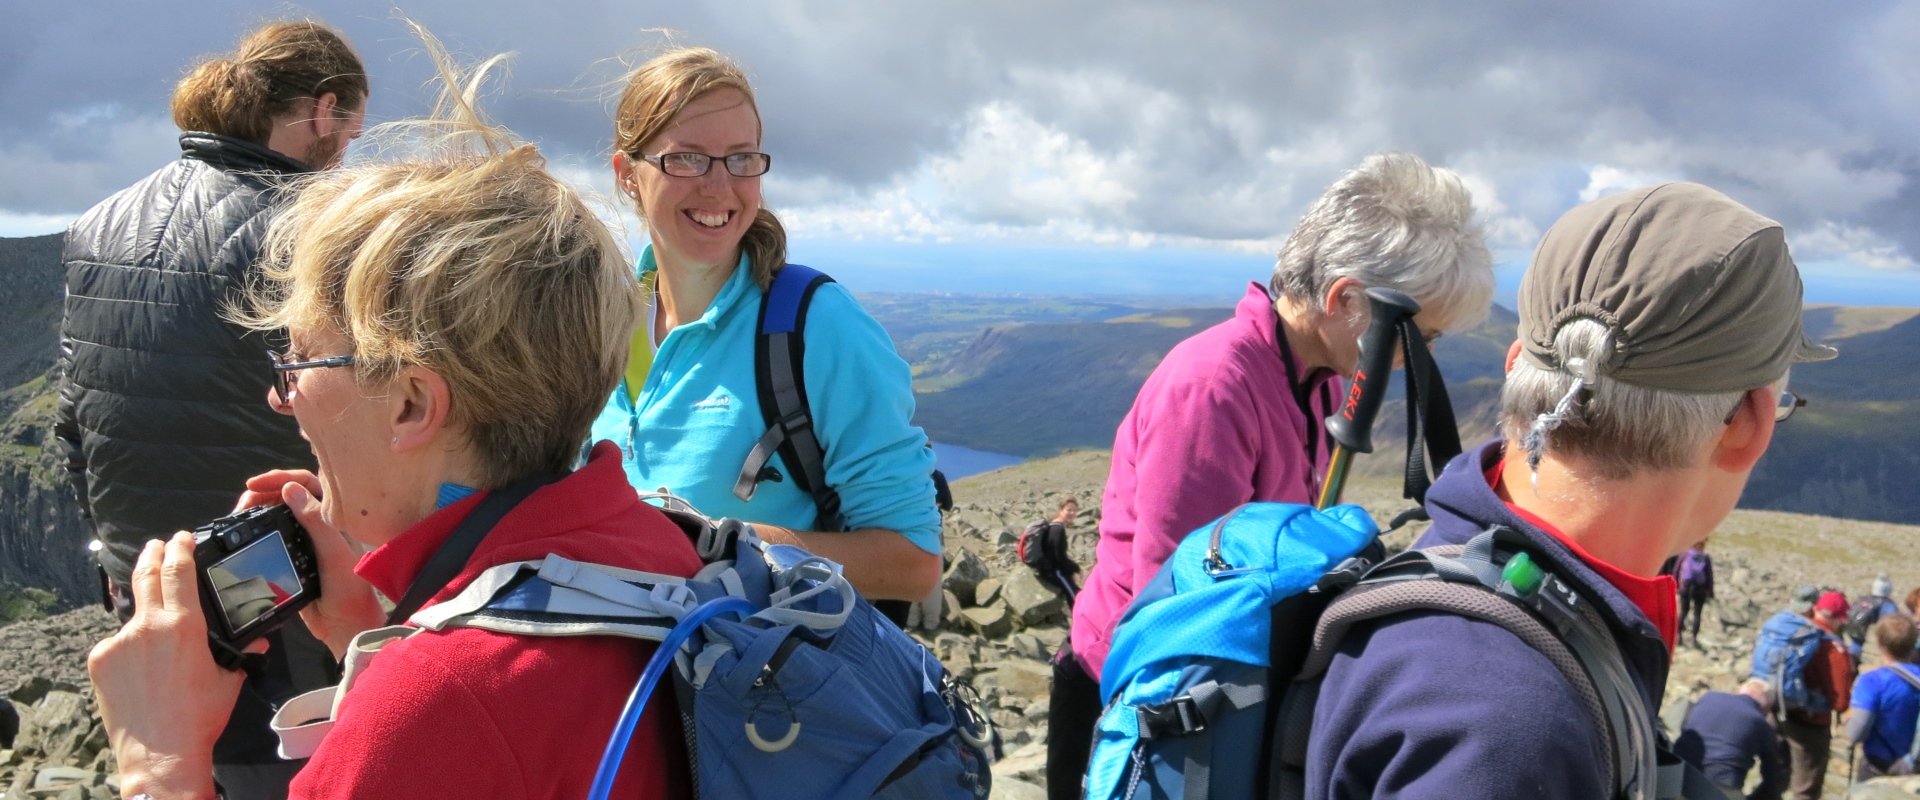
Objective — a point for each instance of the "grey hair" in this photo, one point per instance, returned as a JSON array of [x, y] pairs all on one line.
[[1618, 429], [1759, 690], [1396, 223]]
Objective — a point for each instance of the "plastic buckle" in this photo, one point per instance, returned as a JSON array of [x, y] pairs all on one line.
[[1177, 717]]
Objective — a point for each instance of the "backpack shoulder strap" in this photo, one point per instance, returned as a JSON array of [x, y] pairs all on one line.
[[1905, 675], [779, 355], [1913, 752], [1549, 617]]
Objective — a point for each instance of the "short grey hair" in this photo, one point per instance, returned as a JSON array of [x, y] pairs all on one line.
[[1396, 223], [1618, 429], [1759, 690]]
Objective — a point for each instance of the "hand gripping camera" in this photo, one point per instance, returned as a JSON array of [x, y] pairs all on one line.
[[257, 570]]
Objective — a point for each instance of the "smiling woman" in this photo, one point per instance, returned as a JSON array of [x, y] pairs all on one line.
[[688, 152]]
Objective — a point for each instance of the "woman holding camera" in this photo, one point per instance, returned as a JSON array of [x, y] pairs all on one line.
[[687, 136], [456, 322]]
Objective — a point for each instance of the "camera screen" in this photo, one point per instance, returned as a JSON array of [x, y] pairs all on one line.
[[250, 583]]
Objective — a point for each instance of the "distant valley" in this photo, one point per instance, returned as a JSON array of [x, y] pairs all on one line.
[[1036, 375], [1034, 389]]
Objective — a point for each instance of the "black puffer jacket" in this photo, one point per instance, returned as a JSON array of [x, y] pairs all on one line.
[[163, 404]]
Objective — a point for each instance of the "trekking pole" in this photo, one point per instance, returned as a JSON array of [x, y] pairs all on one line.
[[1853, 752], [1351, 428]]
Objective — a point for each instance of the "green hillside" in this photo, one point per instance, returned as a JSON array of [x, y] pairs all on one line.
[[1854, 452], [1038, 389], [31, 288]]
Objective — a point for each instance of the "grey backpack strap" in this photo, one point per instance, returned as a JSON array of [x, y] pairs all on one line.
[[779, 361], [1556, 622], [1913, 753], [1369, 602], [1454, 579]]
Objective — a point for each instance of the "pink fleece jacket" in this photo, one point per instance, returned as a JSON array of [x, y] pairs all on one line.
[[1216, 425]]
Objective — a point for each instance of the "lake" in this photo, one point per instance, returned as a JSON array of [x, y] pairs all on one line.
[[958, 462]]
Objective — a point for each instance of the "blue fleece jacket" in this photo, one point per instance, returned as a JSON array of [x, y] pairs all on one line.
[[1433, 705], [1724, 735], [698, 416]]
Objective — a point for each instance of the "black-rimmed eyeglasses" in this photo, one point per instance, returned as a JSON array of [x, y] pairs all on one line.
[[284, 383], [695, 165], [1783, 408]]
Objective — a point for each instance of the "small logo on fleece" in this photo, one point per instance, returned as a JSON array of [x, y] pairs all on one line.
[[720, 403]]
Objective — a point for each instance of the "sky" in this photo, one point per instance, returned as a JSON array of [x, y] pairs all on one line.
[[1114, 146]]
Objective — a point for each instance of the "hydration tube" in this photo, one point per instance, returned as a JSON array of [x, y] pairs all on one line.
[[649, 678]]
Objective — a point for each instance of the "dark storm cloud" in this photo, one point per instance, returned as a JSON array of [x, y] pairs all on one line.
[[1210, 120]]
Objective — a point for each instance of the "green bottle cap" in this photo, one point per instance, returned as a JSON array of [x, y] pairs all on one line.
[[1524, 575]]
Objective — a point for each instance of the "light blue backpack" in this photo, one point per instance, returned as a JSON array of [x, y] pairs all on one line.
[[1213, 678], [1186, 683], [1787, 644]]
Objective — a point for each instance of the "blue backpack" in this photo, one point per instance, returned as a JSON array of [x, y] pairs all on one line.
[[805, 693], [1213, 676], [1788, 642]]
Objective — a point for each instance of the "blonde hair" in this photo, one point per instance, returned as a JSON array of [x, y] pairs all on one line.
[[656, 93], [468, 259], [241, 94]]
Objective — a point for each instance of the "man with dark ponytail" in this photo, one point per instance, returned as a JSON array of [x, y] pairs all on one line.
[[160, 399]]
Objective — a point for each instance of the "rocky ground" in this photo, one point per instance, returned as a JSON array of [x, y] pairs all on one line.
[[1003, 639], [61, 749], [1000, 624]]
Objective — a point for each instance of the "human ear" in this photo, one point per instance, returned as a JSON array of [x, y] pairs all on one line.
[[1513, 354], [1344, 301], [326, 113], [1746, 437], [419, 405], [623, 174]]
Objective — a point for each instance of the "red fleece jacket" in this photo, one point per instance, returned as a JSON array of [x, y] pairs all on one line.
[[469, 713]]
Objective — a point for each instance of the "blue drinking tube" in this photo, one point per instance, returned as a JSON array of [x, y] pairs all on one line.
[[649, 678]]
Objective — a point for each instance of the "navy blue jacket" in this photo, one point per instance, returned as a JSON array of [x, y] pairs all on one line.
[[1432, 705], [1723, 735]]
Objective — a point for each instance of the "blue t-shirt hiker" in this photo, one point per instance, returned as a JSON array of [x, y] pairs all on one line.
[[1891, 694]]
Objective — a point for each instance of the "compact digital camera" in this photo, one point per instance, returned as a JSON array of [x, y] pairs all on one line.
[[257, 570]]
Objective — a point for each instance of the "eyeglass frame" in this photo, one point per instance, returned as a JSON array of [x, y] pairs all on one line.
[[283, 381], [659, 162], [1783, 407]]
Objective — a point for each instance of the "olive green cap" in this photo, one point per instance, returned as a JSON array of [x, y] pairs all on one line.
[[1698, 292]]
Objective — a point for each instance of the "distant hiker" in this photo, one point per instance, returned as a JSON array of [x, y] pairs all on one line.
[[1868, 610], [1235, 413], [855, 483], [1656, 330], [1693, 572], [1725, 734], [1913, 602], [1886, 703], [1801, 653], [496, 319], [159, 406], [1069, 509]]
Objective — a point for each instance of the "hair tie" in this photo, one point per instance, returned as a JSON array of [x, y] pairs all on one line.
[[1586, 374]]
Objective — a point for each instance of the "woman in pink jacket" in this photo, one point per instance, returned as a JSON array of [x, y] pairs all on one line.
[[1235, 414]]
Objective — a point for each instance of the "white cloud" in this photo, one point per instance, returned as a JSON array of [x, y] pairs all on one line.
[[13, 225], [1831, 240], [1603, 180], [1127, 123], [1013, 169]]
